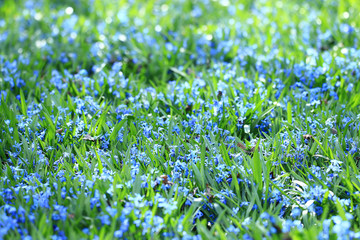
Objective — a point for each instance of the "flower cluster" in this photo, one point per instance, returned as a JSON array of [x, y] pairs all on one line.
[[179, 120]]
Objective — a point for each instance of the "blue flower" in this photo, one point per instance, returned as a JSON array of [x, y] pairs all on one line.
[[233, 229], [105, 219], [60, 213]]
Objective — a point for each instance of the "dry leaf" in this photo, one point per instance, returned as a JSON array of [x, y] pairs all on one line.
[[195, 190], [87, 137], [188, 108], [307, 136], [59, 131], [208, 193], [219, 95], [165, 180], [324, 101], [333, 131], [243, 147]]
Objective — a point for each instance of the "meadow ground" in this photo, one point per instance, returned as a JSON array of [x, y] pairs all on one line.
[[182, 119]]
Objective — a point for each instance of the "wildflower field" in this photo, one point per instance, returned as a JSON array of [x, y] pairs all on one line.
[[179, 119]]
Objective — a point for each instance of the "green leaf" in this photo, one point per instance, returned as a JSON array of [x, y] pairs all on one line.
[[177, 71], [99, 162], [101, 120], [23, 103], [50, 125], [289, 113], [340, 210], [257, 167], [116, 130], [200, 181]]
